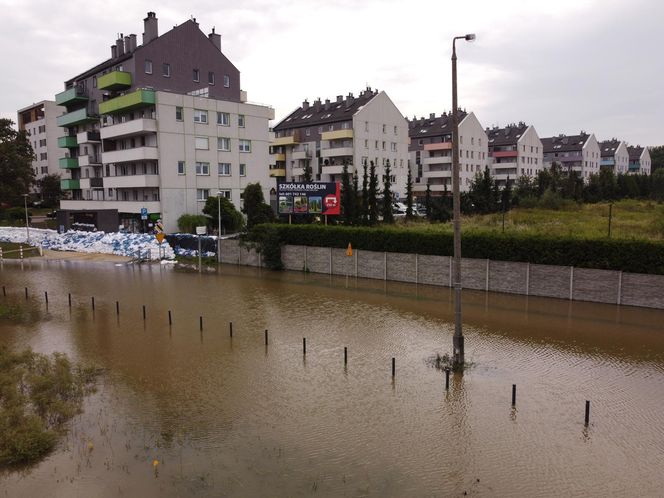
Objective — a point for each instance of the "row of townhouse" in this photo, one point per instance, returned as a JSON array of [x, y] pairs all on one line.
[[158, 127]]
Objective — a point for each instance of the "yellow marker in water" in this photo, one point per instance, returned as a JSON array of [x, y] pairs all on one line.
[[155, 463], [90, 446], [349, 251]]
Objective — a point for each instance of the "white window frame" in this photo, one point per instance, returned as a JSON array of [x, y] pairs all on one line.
[[226, 193], [224, 144], [241, 121], [202, 168], [198, 142], [182, 168], [224, 169], [200, 116], [245, 145], [243, 169], [181, 110], [147, 66], [223, 118], [227, 81], [210, 78], [202, 194], [196, 75], [166, 70]]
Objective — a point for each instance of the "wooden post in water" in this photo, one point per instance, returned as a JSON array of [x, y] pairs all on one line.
[[117, 308], [170, 320], [394, 367], [46, 297], [93, 303], [69, 299], [4, 291], [200, 323], [513, 394], [447, 379], [26, 293], [266, 337], [304, 345], [587, 419], [345, 355], [144, 315]]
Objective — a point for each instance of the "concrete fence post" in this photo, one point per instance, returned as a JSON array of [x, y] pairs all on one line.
[[450, 285], [571, 283], [330, 261], [619, 287], [417, 269], [487, 274], [528, 279], [305, 258], [384, 266], [356, 251]]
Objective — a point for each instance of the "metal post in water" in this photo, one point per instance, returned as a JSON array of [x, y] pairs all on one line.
[[200, 323], [230, 326], [587, 419], [345, 355], [143, 312], [447, 379], [20, 251], [394, 367], [93, 303], [304, 345], [513, 394], [266, 337], [46, 296], [26, 293], [117, 308], [69, 299], [4, 291], [170, 320]]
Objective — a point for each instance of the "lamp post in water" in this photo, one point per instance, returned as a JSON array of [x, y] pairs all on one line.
[[457, 341], [219, 194], [27, 223]]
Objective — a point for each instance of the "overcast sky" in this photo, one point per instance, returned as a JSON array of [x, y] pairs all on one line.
[[563, 65]]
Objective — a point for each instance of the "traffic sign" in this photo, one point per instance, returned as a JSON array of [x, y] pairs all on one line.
[[349, 251], [144, 213], [160, 237], [201, 230]]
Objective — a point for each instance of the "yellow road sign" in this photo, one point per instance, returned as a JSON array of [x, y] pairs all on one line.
[[160, 237], [349, 251]]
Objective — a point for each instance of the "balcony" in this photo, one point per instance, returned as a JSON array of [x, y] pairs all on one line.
[[70, 184], [129, 128], [290, 140], [337, 152], [434, 187], [129, 155], [131, 181], [278, 157], [70, 96], [277, 171], [128, 102], [504, 153], [89, 160], [67, 142], [607, 161], [88, 137], [78, 117], [115, 80], [298, 171], [439, 146], [68, 162], [121, 206], [426, 161], [440, 173], [337, 169], [335, 135], [302, 154]]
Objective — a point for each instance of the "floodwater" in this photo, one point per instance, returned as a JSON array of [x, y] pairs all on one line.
[[229, 416]]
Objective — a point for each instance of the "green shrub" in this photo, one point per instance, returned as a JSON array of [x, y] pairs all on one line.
[[187, 223], [637, 256]]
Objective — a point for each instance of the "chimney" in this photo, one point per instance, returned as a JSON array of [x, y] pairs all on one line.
[[132, 41], [317, 104], [340, 98], [114, 51], [349, 100], [127, 44], [432, 115], [120, 44], [150, 28], [305, 105], [215, 39], [327, 104]]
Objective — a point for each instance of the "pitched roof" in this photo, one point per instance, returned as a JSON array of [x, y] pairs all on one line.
[[509, 135], [564, 143], [433, 126], [635, 152], [608, 148], [342, 109]]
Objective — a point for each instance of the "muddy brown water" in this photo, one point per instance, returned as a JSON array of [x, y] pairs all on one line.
[[232, 417]]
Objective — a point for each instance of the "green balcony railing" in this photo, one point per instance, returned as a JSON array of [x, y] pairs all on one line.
[[67, 142], [128, 102], [115, 80], [70, 184], [77, 117], [71, 96], [68, 162]]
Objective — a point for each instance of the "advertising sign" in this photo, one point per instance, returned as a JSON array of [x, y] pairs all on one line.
[[309, 198]]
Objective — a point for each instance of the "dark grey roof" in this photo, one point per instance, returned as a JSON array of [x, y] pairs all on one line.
[[509, 135], [433, 126], [607, 148], [564, 143], [635, 152], [341, 109], [99, 67]]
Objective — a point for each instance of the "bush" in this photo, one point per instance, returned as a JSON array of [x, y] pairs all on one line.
[[611, 254], [187, 223]]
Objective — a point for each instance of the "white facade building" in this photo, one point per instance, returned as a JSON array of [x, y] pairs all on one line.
[[578, 153], [514, 151], [614, 155]]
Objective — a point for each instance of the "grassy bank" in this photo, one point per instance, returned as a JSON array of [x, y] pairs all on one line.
[[38, 395], [11, 247]]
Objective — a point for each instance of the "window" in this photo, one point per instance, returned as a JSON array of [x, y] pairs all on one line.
[[307, 132], [376, 144], [240, 122], [366, 143], [202, 169], [178, 114], [472, 140], [227, 81], [366, 126], [210, 78], [197, 75], [202, 143], [223, 119], [395, 130], [384, 128], [94, 82], [166, 69], [331, 128], [383, 145], [148, 66], [224, 144], [110, 192], [181, 170], [243, 170], [224, 169], [202, 194], [200, 116], [393, 147], [245, 145], [346, 125], [225, 193]]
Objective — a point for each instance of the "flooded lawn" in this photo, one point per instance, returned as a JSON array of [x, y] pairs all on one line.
[[185, 412]]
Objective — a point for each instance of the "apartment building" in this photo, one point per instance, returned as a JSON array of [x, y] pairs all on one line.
[[158, 128], [431, 152], [39, 121], [351, 129], [514, 151], [639, 160], [614, 155], [578, 153]]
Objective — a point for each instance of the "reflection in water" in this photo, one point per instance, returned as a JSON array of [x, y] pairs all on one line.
[[225, 414]]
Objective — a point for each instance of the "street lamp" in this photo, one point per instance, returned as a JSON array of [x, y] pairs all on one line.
[[219, 194], [457, 340], [27, 225]]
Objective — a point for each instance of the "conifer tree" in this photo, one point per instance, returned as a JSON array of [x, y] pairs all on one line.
[[388, 216], [372, 195], [365, 194], [409, 195]]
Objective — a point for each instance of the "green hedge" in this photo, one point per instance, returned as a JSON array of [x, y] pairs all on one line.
[[635, 256]]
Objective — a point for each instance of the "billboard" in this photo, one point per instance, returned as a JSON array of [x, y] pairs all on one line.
[[309, 198]]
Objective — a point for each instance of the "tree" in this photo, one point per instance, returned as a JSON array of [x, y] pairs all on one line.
[[255, 208], [231, 218], [607, 184], [388, 216], [307, 170], [347, 204], [16, 156], [427, 200], [373, 193], [592, 191], [657, 185], [356, 199], [525, 189], [656, 158], [506, 196], [187, 223], [50, 190], [365, 194], [483, 192], [409, 195]]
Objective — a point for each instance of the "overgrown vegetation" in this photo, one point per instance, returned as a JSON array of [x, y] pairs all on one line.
[[187, 223], [8, 249], [38, 395]]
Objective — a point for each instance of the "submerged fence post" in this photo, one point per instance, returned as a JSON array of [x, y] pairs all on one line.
[[26, 293], [266, 337], [69, 299], [394, 367], [447, 379], [345, 355], [587, 418], [144, 315], [46, 296], [513, 394], [93, 303], [117, 308], [230, 328], [304, 345], [170, 320], [200, 323], [4, 291]]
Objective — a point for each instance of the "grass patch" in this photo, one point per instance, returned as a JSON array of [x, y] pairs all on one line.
[[12, 246], [38, 395]]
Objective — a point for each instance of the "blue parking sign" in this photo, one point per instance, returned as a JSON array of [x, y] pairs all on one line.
[[144, 213]]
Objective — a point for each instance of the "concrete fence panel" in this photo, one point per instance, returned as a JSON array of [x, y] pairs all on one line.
[[550, 281], [371, 264], [342, 264], [643, 290], [508, 276], [473, 274], [230, 251], [600, 286], [401, 267], [293, 257], [433, 270]]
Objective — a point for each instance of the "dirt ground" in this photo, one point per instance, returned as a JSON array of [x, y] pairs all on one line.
[[84, 256]]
